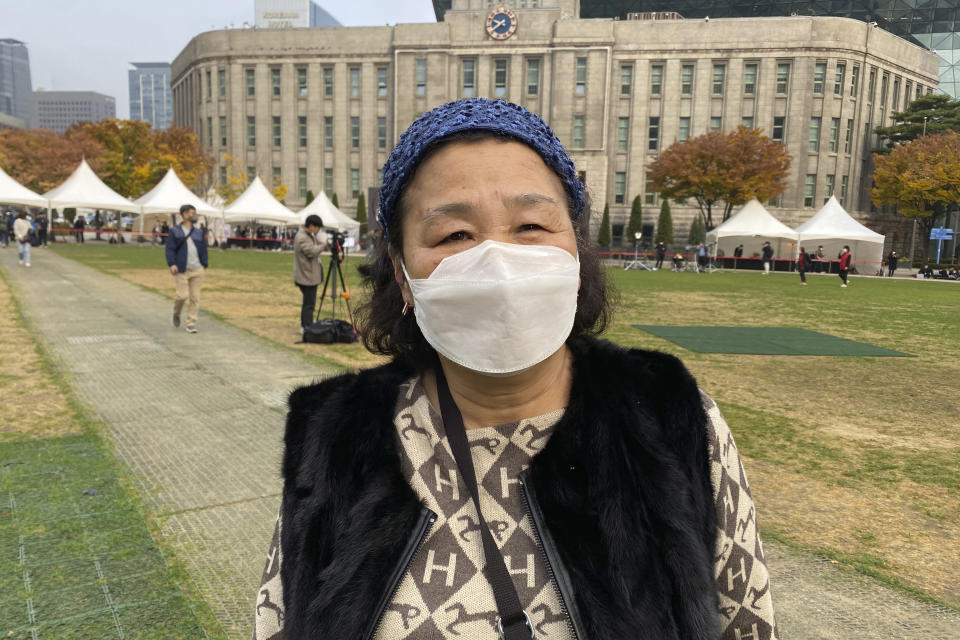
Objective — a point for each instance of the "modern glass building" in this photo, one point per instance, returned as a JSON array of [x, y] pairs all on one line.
[[15, 85], [933, 24], [151, 99]]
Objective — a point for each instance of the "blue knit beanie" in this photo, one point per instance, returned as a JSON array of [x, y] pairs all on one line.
[[473, 114]]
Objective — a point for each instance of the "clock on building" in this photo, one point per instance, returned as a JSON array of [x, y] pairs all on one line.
[[501, 23]]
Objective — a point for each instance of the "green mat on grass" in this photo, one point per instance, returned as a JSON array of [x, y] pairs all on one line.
[[778, 341]]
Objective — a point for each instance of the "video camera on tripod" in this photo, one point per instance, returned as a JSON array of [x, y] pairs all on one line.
[[335, 242], [331, 329]]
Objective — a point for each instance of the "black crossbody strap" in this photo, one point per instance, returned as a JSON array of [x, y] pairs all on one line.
[[512, 623]]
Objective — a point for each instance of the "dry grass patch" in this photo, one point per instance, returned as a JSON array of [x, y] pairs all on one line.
[[265, 305], [33, 405]]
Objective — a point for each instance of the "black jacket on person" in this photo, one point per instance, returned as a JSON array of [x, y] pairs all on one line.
[[767, 253], [620, 497]]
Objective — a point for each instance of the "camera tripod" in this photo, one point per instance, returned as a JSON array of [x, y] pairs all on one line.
[[637, 262], [335, 267]]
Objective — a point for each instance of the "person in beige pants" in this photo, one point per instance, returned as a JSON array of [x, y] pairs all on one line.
[[187, 259]]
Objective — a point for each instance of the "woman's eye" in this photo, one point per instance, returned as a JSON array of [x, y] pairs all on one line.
[[457, 236], [531, 227]]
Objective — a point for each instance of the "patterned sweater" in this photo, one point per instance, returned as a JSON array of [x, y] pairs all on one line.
[[444, 594]]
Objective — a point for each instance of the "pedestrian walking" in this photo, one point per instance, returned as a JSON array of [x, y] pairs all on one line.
[[892, 261], [767, 257], [6, 228], [308, 248], [844, 264], [737, 254], [41, 230], [803, 264], [820, 260], [661, 254], [187, 259], [701, 258], [507, 469], [21, 232]]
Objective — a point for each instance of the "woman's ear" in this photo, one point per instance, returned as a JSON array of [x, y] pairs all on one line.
[[401, 279]]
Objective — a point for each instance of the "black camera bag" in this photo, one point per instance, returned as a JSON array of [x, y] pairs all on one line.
[[327, 331]]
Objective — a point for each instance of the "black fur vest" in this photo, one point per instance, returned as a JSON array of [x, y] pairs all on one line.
[[623, 487]]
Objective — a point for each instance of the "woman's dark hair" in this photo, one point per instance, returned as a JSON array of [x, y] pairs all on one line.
[[313, 220], [385, 330]]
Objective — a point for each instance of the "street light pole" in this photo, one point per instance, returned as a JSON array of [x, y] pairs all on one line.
[[924, 125]]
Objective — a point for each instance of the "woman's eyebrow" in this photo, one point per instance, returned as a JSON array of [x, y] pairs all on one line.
[[448, 208], [528, 199], [466, 208]]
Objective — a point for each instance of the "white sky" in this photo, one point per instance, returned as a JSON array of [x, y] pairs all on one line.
[[86, 45]]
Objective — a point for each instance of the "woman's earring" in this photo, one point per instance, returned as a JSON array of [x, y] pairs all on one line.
[[406, 307]]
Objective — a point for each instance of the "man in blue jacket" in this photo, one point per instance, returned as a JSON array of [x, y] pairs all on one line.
[[187, 258]]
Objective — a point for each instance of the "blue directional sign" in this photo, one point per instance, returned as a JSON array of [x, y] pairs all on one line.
[[940, 234]]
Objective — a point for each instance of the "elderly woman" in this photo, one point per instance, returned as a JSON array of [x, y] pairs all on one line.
[[507, 474]]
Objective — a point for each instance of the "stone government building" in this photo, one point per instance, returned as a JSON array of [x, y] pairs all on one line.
[[320, 109]]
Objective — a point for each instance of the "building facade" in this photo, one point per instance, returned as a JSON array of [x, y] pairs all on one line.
[[933, 24], [15, 85], [57, 110], [322, 108], [291, 14], [151, 99]]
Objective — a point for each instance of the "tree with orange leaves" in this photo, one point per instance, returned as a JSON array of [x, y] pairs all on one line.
[[718, 167], [921, 178], [126, 154], [41, 159]]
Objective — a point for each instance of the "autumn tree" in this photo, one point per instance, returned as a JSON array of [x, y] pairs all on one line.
[[921, 178], [41, 159], [731, 168], [930, 113], [603, 235], [237, 180], [279, 189], [126, 154], [664, 225], [635, 223]]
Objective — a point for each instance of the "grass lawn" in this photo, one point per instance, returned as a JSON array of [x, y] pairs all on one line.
[[856, 458], [77, 558]]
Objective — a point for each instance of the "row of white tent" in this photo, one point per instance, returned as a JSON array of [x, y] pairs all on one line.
[[256, 204], [831, 227]]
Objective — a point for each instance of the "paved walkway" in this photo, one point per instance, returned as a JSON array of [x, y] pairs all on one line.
[[199, 419]]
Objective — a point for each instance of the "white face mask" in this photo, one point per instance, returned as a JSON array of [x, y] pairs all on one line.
[[498, 308]]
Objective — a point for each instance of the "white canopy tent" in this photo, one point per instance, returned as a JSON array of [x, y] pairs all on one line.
[[84, 189], [332, 217], [832, 227], [168, 196], [258, 205], [12, 192], [215, 200], [752, 226]]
